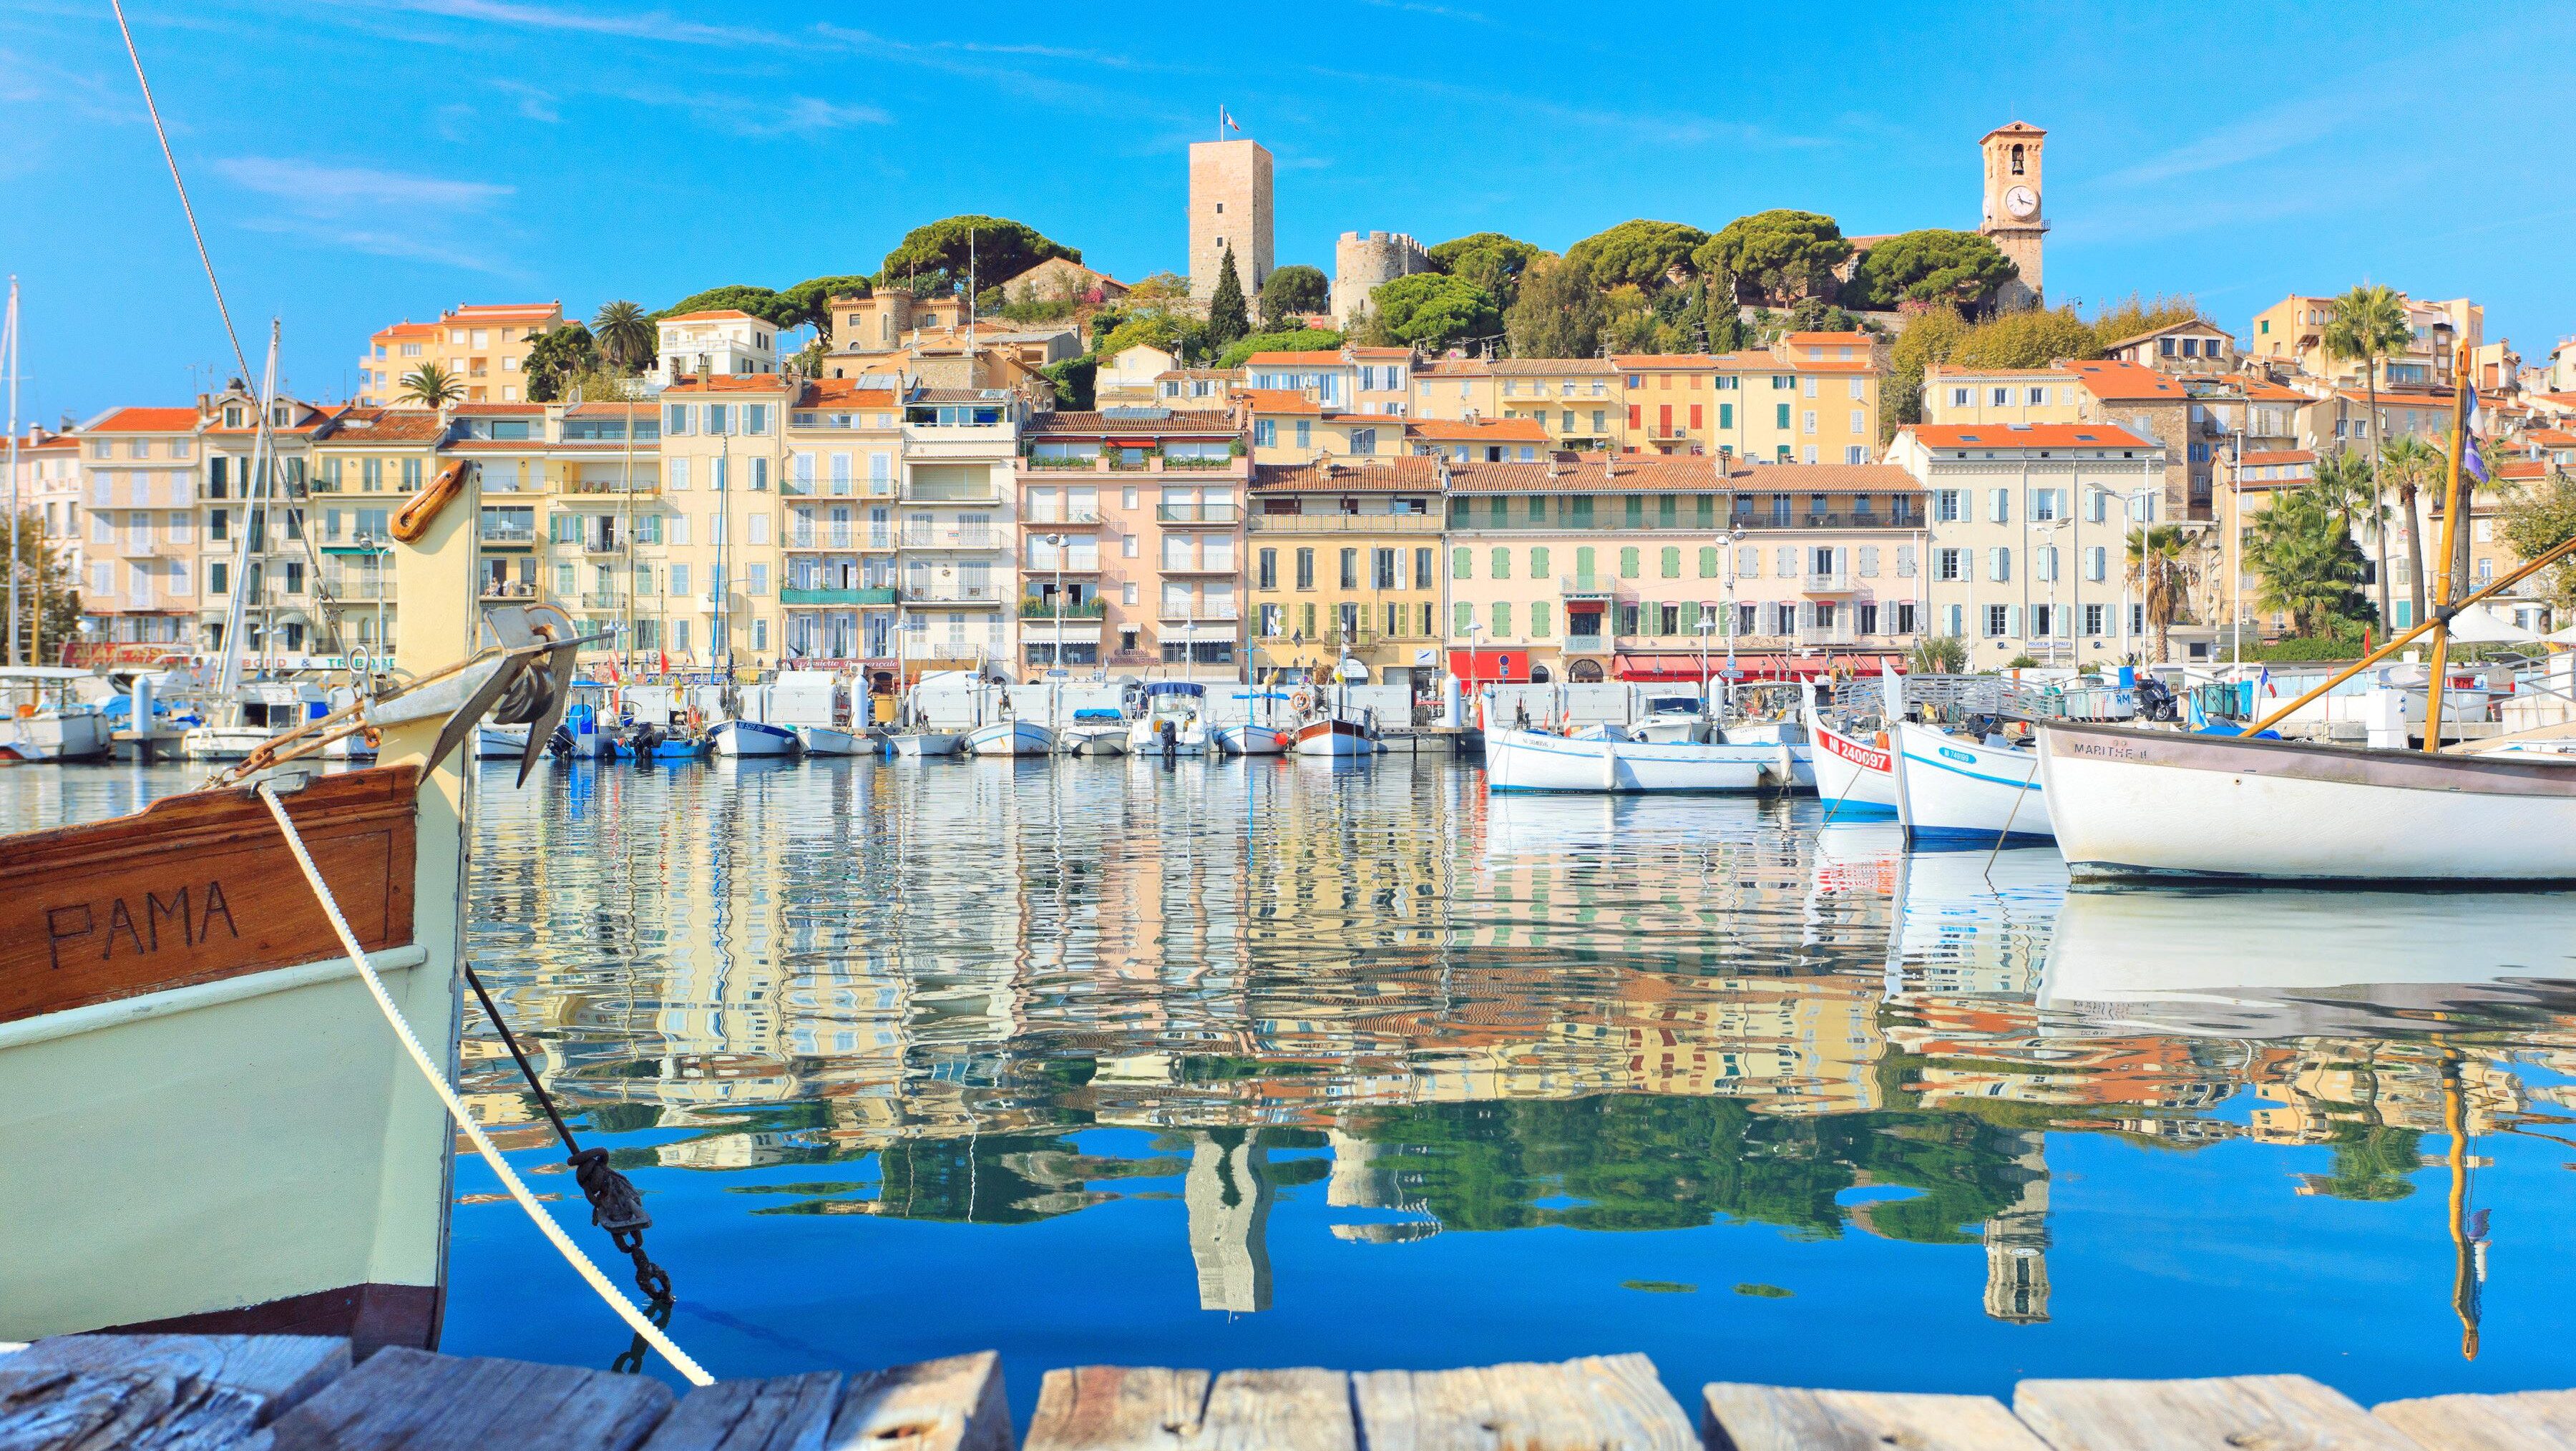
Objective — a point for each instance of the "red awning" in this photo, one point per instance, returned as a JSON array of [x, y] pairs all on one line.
[[1751, 667], [1489, 667]]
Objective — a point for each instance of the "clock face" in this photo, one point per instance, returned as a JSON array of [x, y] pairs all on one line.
[[2022, 202]]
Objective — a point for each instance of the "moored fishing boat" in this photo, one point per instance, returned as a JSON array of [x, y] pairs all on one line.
[[1252, 739], [2160, 803], [1096, 731], [817, 740], [44, 723], [1007, 737], [1958, 791], [752, 738], [1854, 777], [1517, 760], [924, 743], [1332, 736], [1173, 720]]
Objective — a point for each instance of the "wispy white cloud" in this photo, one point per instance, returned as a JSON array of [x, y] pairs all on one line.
[[643, 25], [534, 104], [321, 190], [745, 116], [417, 247], [1444, 12]]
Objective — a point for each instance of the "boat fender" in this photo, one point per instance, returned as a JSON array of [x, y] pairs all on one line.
[[413, 520]]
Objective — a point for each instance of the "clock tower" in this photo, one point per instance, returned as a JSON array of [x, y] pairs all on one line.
[[2012, 218]]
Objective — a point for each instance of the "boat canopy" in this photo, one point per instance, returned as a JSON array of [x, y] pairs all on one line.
[[1175, 687], [1096, 713]]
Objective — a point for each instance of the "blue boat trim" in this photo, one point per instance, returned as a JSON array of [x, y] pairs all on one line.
[[2032, 783]]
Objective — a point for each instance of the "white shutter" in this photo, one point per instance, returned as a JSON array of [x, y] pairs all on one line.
[[1999, 507], [2012, 622]]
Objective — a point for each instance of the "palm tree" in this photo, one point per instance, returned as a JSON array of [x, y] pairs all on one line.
[[2344, 484], [2307, 561], [2417, 467], [2156, 566], [624, 335], [2369, 323], [432, 386]]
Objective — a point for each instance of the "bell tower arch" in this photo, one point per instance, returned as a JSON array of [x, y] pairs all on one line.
[[2014, 215]]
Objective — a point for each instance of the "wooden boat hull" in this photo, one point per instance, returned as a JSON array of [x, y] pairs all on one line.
[[500, 742], [71, 736], [1853, 777], [224, 743], [925, 743], [752, 738], [208, 1123], [2161, 803], [1333, 738], [833, 741], [1009, 738], [1253, 740], [1537, 761], [1957, 792], [1096, 740]]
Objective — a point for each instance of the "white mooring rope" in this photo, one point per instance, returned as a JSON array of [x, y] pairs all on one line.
[[571, 1252]]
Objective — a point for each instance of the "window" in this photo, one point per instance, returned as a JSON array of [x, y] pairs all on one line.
[[1500, 566], [1541, 620], [1627, 564], [1422, 573], [1807, 421], [2045, 503], [1945, 506], [1708, 564], [1999, 564], [1999, 506], [1960, 397], [1783, 419], [1999, 397], [1462, 563], [1305, 569], [2043, 563], [2093, 618], [1350, 569], [1998, 620], [2097, 561], [1538, 561], [1671, 563], [1461, 615], [1386, 569], [1502, 620], [1266, 569]]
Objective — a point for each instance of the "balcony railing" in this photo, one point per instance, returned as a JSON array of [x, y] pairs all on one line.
[[1218, 513], [951, 539], [827, 595], [600, 599], [611, 486], [1827, 581], [1587, 586], [595, 544], [951, 594], [1048, 519], [839, 536], [1342, 523], [1204, 614], [509, 534], [1034, 608], [508, 589]]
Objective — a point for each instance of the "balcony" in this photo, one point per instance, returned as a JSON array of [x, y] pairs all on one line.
[[818, 595], [1587, 586], [837, 537], [623, 488], [509, 536], [1204, 615], [1827, 582], [1227, 567], [951, 594], [1034, 608], [1343, 523], [508, 589], [596, 544], [1222, 513], [1069, 519], [600, 599], [951, 539], [358, 587], [1817, 636]]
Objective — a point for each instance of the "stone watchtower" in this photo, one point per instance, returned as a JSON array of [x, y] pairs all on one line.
[[1229, 206], [2012, 217], [1364, 261]]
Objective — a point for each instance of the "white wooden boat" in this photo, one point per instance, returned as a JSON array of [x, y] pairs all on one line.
[[1674, 719], [1789, 736], [2160, 803], [1250, 739], [1095, 732], [752, 738], [834, 741], [1332, 736], [1957, 792], [1008, 738], [43, 722], [1854, 777], [925, 743], [499, 742], [1173, 708], [1538, 761]]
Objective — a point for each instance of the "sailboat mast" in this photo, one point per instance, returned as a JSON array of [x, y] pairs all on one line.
[[11, 340]]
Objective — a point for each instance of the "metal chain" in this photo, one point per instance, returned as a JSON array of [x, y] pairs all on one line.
[[616, 1205]]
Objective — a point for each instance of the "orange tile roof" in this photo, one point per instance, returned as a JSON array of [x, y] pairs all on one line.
[[1546, 367], [731, 383], [1670, 362], [146, 420], [408, 330], [1594, 473], [1279, 400], [504, 311], [1751, 476], [499, 410], [1205, 423], [1843, 339], [707, 313], [1408, 474], [1300, 359], [1953, 370], [2551, 438], [846, 390], [1381, 352], [2282, 456], [2027, 435], [385, 425], [1513, 430], [1455, 368], [2110, 379]]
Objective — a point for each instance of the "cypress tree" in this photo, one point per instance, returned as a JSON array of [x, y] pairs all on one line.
[[1228, 318]]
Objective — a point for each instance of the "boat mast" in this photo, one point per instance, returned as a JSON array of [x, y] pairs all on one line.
[[2454, 579], [237, 604], [9, 338]]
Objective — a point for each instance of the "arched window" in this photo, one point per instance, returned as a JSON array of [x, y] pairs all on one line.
[[1539, 675], [2016, 158]]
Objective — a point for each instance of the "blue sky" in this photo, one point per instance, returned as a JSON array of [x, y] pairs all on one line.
[[355, 164]]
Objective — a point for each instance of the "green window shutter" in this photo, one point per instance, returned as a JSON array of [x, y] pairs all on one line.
[[1784, 415], [1672, 562], [1539, 622], [1707, 511], [1668, 512], [1458, 511], [1726, 415], [1636, 511], [1627, 564], [1461, 616], [1502, 620], [1583, 566], [1538, 562], [1462, 564], [1582, 516], [1707, 565], [1502, 564], [1690, 617], [1501, 510]]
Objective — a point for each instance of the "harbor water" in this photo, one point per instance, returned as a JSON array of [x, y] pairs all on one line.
[[1300, 1062]]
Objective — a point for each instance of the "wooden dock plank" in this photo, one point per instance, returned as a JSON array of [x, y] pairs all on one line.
[[1598, 1403], [2544, 1420], [1789, 1418], [167, 1392], [782, 1413], [1116, 1408], [410, 1400], [1278, 1410], [953, 1404], [2233, 1413]]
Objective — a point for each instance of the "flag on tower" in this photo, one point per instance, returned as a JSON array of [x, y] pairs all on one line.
[[1226, 118]]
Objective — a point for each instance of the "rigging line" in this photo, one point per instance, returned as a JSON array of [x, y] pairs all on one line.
[[240, 358]]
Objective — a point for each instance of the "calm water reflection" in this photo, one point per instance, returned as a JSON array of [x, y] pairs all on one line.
[[1286, 1064]]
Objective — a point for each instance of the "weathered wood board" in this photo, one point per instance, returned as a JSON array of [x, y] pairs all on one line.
[[168, 1392], [1788, 1418], [952, 1404], [1598, 1403], [2538, 1420], [2232, 1413], [783, 1413], [415, 1401]]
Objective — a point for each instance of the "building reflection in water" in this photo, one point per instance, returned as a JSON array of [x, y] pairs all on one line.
[[1603, 1014]]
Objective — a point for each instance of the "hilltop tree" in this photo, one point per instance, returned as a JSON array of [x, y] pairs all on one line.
[[1964, 269], [1644, 253], [1490, 260], [1775, 256], [623, 335], [1227, 318], [1558, 313], [2134, 314], [933, 258], [1292, 340], [811, 300], [2032, 339], [764, 303], [1295, 288], [557, 355], [1430, 310]]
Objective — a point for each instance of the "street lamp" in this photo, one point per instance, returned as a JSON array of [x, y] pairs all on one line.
[[2056, 567], [1055, 652], [380, 551], [1734, 537]]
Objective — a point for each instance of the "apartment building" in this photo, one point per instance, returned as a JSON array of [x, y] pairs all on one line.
[[46, 490], [1955, 395], [719, 342], [2246, 489], [1132, 538], [2195, 345], [2028, 536], [2292, 331], [716, 587], [262, 536], [957, 534], [606, 516], [1806, 398], [844, 463], [484, 346], [1578, 402], [1479, 440], [1350, 380], [1344, 567], [362, 468], [138, 505], [1295, 427], [1622, 567]]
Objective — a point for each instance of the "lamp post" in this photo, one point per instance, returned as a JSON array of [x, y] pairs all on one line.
[[2056, 567], [1055, 653], [1734, 537]]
